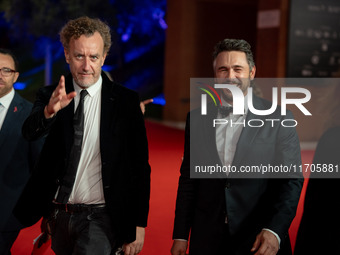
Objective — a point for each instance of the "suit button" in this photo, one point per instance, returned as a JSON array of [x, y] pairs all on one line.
[[227, 185], [57, 181]]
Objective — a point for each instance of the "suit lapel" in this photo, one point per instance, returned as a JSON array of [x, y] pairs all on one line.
[[15, 111], [208, 136], [248, 134], [108, 109], [108, 118], [210, 133]]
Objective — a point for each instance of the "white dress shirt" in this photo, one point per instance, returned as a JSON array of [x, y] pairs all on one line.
[[227, 135], [88, 185], [5, 102]]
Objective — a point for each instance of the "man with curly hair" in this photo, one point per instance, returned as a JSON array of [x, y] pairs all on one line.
[[92, 181]]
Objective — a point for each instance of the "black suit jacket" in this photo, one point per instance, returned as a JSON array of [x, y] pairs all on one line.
[[250, 204], [124, 156], [319, 227], [17, 157]]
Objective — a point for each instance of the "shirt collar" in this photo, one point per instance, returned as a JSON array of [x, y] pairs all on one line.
[[92, 90], [7, 99]]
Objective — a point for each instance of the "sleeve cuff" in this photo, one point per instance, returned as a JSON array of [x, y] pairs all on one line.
[[276, 235]]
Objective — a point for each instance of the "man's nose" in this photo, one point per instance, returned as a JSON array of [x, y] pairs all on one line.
[[86, 64], [230, 74]]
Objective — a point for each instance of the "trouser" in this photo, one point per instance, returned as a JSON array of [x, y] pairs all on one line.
[[82, 231]]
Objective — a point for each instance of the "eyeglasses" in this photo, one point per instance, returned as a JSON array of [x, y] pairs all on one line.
[[6, 72]]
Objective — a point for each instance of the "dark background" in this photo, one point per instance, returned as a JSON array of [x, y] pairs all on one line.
[[30, 28]]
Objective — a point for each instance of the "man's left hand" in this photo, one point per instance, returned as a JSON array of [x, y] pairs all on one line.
[[136, 246], [266, 243]]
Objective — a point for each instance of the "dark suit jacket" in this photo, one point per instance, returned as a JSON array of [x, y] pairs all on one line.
[[250, 204], [319, 227], [124, 156], [17, 158]]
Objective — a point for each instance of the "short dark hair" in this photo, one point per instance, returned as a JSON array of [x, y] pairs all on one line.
[[85, 26], [235, 45], [11, 54]]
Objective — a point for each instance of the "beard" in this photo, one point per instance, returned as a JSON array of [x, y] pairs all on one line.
[[85, 82]]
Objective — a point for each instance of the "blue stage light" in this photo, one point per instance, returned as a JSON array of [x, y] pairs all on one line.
[[159, 99], [19, 85]]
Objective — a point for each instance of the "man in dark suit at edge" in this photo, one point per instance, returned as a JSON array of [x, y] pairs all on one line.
[[236, 215], [107, 201], [17, 155]]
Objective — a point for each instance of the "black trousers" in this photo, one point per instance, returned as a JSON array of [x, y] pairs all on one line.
[[82, 233]]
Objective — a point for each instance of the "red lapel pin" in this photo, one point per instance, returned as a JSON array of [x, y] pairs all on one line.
[[15, 109]]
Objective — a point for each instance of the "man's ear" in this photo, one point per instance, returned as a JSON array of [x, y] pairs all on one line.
[[67, 56], [252, 73], [104, 57], [16, 75]]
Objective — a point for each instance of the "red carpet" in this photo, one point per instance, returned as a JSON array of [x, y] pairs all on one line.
[[307, 157], [166, 149]]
